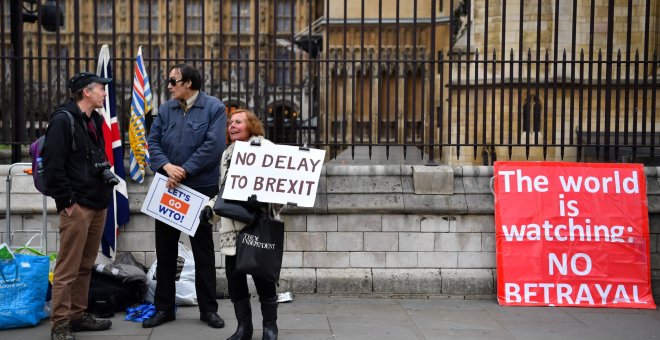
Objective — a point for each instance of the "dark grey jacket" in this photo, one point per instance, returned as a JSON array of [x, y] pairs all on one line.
[[69, 174]]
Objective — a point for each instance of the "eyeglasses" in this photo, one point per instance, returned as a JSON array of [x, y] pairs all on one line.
[[173, 81]]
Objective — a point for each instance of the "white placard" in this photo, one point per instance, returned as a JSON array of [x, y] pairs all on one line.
[[179, 207], [275, 173]]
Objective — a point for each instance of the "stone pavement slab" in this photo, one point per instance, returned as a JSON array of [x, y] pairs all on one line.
[[326, 317]]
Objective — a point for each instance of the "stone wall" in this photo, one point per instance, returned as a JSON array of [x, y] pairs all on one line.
[[375, 229]]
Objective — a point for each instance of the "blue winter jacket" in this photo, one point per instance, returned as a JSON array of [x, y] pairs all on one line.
[[194, 140]]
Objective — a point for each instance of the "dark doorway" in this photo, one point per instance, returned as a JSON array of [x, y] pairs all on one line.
[[282, 123]]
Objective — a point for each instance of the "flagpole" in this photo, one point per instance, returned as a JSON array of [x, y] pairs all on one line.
[[118, 209], [140, 106]]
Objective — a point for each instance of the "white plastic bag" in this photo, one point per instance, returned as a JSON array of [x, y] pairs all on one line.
[[185, 284]]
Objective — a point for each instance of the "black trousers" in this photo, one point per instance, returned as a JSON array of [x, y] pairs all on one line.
[[238, 286], [166, 269]]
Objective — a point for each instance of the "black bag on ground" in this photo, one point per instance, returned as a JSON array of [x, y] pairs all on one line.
[[259, 248], [108, 295]]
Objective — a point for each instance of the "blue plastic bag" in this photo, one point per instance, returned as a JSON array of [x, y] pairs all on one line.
[[140, 313], [23, 287]]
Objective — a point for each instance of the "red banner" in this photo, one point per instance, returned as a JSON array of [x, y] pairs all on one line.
[[572, 234]]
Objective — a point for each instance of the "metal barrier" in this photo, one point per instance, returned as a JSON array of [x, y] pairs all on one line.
[[44, 213]]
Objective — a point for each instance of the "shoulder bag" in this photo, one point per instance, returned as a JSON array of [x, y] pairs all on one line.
[[235, 210], [259, 248]]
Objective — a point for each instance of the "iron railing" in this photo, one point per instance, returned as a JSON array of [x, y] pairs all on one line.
[[452, 82]]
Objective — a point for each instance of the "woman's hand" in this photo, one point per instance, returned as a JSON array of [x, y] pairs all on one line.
[[206, 215]]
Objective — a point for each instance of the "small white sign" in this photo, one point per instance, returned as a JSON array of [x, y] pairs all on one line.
[[275, 173], [179, 207]]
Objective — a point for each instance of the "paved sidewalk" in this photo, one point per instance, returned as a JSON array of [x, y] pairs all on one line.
[[324, 317]]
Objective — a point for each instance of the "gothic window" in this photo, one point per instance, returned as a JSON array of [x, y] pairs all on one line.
[[152, 58], [238, 59], [58, 64], [104, 12], [153, 55], [284, 13], [194, 53], [147, 18], [240, 16], [194, 15], [283, 74]]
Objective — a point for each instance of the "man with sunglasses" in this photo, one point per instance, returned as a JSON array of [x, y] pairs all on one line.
[[186, 141]]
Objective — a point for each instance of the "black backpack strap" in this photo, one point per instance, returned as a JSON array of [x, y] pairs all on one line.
[[74, 147]]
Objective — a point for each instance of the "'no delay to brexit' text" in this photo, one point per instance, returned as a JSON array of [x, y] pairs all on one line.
[[272, 184]]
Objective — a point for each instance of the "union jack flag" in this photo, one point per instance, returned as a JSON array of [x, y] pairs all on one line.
[[141, 105], [118, 208]]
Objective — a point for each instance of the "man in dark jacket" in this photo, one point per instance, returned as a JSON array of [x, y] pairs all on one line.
[[185, 143], [75, 165]]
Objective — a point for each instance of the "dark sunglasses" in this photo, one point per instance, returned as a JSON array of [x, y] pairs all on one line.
[[173, 81]]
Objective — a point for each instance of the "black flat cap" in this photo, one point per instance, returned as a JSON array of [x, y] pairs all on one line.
[[82, 79]]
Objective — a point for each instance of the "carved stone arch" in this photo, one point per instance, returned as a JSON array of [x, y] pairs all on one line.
[[406, 53], [355, 53], [333, 53], [421, 53], [363, 67], [340, 69], [284, 102], [404, 68], [357, 70], [421, 67], [393, 68], [373, 68], [336, 67], [372, 52], [400, 69]]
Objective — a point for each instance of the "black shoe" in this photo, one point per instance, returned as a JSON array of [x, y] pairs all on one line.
[[213, 319], [158, 319]]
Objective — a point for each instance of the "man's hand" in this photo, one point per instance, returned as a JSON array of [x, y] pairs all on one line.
[[69, 209], [171, 183], [206, 215], [175, 172]]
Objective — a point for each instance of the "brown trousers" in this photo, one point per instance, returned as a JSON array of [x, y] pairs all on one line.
[[80, 237]]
